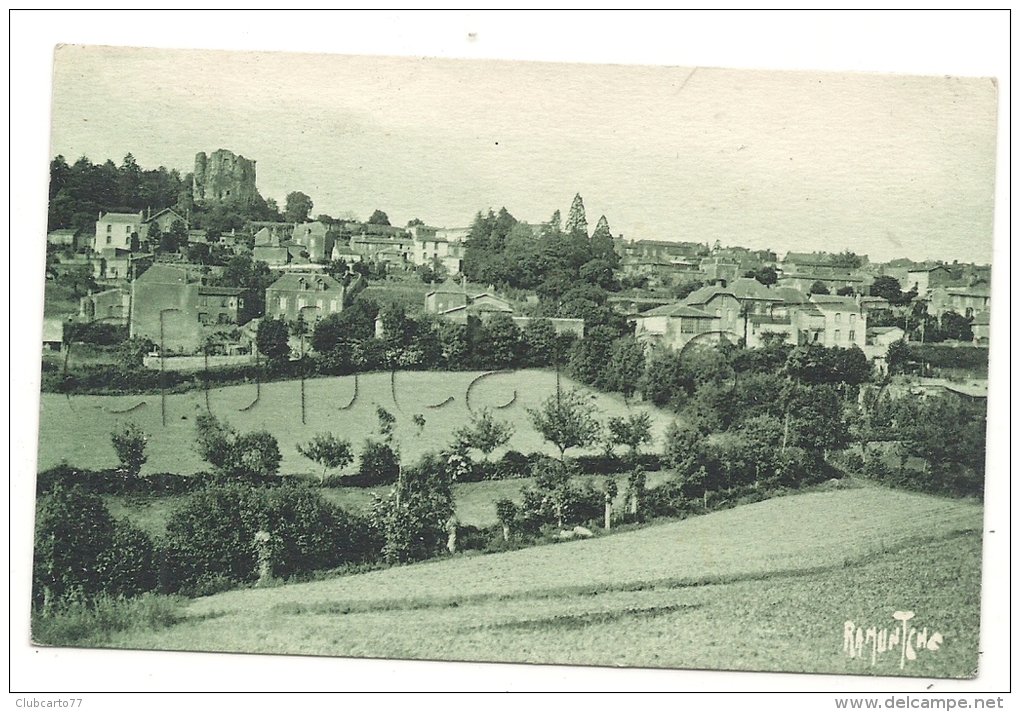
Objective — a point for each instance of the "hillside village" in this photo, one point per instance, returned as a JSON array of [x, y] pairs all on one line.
[[447, 367], [192, 290]]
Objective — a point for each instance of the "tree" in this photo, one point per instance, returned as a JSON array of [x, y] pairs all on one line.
[[154, 235], [632, 431], [129, 442], [169, 243], [180, 232], [484, 433], [327, 450], [766, 275], [625, 368], [567, 421], [897, 357], [415, 222], [378, 218], [501, 342], [539, 338], [602, 246], [272, 340], [887, 287], [818, 288], [576, 223], [255, 454], [387, 424], [957, 327], [298, 207], [415, 518], [846, 260]]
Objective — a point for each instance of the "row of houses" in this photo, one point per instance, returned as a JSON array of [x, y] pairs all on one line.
[[746, 310], [315, 243], [178, 309]]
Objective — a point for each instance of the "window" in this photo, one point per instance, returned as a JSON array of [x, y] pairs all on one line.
[[109, 239], [224, 302], [109, 229], [853, 336], [283, 303], [686, 326], [203, 318], [301, 303], [838, 336], [838, 317], [333, 305], [127, 229], [852, 319], [318, 304]]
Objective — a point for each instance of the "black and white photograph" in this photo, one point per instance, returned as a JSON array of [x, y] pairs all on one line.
[[643, 366]]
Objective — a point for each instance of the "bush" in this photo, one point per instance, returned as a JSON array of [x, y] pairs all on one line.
[[559, 499], [129, 442], [213, 534], [251, 456], [81, 551], [96, 332], [414, 518], [210, 540], [379, 465]]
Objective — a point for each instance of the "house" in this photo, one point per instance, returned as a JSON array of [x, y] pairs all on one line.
[[165, 219], [307, 294], [926, 278], [62, 238], [721, 302], [312, 237], [438, 247], [53, 333], [117, 231], [675, 325], [965, 301], [764, 313], [981, 328], [344, 252], [445, 298], [845, 323], [663, 250], [832, 278], [269, 247], [177, 310], [884, 335], [111, 305], [482, 306]]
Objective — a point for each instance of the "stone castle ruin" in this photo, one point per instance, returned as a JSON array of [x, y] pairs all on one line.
[[222, 176]]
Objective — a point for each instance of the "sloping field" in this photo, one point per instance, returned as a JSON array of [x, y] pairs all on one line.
[[78, 428], [766, 586]]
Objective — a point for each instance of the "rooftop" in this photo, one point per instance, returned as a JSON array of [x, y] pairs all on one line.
[[298, 281]]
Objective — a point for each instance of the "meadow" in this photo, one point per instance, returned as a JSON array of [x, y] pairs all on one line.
[[766, 586], [77, 428]]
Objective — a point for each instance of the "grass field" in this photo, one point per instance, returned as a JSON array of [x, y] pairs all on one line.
[[766, 586], [77, 428]]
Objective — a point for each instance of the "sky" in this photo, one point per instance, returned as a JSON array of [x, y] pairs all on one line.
[[887, 165], [876, 161]]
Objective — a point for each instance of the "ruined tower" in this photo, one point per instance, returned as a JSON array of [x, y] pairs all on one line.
[[223, 176]]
